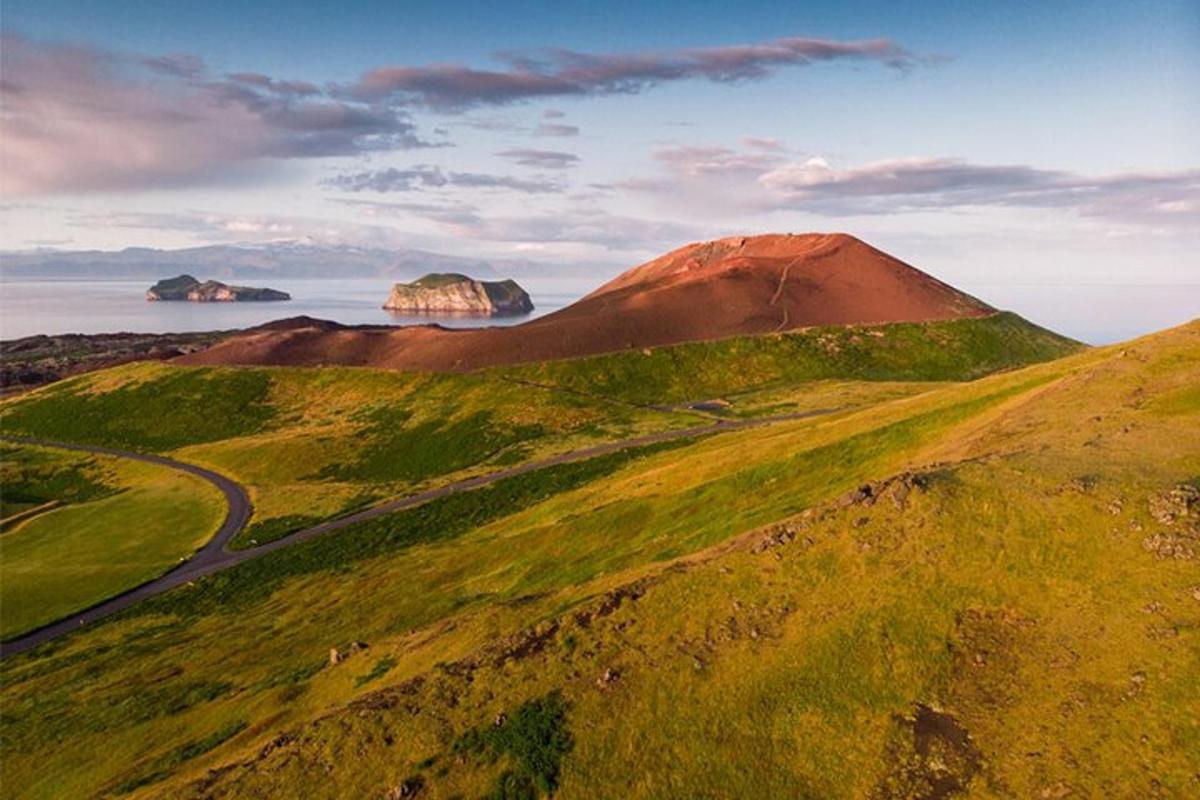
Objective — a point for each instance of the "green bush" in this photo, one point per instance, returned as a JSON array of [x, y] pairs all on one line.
[[535, 739]]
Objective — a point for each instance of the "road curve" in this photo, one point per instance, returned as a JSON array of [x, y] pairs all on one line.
[[236, 516], [216, 556]]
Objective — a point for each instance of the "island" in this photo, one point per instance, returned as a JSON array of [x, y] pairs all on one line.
[[187, 288], [450, 292]]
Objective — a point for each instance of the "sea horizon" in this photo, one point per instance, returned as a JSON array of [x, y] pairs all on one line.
[[1096, 314]]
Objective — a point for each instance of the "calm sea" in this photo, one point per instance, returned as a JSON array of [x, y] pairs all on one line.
[[1097, 314], [75, 306]]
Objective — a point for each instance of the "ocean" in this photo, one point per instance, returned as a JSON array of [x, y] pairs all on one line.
[[29, 307], [1092, 313]]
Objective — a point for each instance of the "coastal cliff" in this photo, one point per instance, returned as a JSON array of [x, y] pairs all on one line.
[[187, 288], [455, 293]]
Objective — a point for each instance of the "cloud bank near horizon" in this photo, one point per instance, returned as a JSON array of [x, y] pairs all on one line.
[[769, 179]]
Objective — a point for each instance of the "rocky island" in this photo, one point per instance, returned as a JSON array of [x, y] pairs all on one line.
[[451, 292], [185, 287]]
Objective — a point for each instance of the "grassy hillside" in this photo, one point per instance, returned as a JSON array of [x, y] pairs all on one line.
[[955, 350], [732, 617], [118, 523], [311, 443], [315, 443]]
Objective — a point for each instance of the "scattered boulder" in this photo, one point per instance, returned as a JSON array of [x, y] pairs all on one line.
[[409, 787], [337, 656], [1171, 545], [1175, 505], [608, 678], [896, 488], [1178, 509]]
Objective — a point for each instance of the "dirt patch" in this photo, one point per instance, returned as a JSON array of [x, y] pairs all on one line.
[[932, 757], [986, 647]]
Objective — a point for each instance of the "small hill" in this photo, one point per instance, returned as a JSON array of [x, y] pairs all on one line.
[[701, 292], [187, 288], [451, 292]]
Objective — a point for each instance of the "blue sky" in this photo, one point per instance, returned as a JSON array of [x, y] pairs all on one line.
[[991, 143]]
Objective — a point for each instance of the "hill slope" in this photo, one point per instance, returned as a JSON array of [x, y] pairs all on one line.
[[714, 290], [987, 587]]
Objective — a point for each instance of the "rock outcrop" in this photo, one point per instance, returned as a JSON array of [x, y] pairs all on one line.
[[454, 293], [185, 287]]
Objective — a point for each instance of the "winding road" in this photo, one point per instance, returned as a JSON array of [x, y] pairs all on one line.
[[216, 556]]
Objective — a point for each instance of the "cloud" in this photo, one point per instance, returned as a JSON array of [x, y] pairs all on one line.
[[78, 118], [84, 119], [759, 179], [215, 227], [425, 176], [923, 183], [274, 86], [585, 226], [567, 73], [556, 129], [697, 161], [764, 143], [546, 159]]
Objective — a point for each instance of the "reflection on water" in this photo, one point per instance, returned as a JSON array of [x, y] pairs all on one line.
[[88, 306]]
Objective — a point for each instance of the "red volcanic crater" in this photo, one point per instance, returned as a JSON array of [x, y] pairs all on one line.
[[714, 290]]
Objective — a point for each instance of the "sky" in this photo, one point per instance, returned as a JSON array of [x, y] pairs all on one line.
[[993, 144]]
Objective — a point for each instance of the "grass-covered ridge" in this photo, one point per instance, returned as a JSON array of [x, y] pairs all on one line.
[[312, 443], [955, 350]]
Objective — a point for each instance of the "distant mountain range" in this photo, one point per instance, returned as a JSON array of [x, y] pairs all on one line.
[[286, 259]]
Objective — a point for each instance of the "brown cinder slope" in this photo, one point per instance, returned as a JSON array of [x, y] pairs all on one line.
[[713, 290]]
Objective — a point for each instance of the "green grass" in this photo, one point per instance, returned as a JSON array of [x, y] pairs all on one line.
[[382, 667], [313, 442], [177, 407], [937, 351], [1006, 593], [163, 766], [309, 442], [535, 739], [396, 452], [33, 476], [68, 558], [440, 520]]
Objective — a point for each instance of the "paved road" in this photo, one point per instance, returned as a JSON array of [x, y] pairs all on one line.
[[216, 555]]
